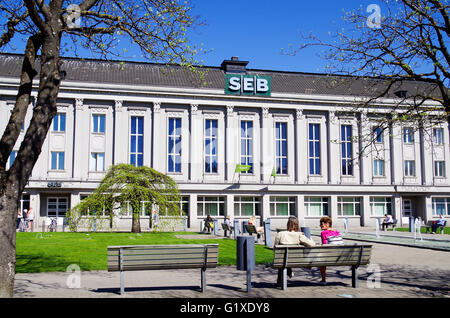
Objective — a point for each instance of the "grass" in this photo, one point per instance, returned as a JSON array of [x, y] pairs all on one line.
[[423, 230], [54, 251]]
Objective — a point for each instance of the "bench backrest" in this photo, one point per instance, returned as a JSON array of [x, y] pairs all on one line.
[[325, 255], [149, 257], [251, 229]]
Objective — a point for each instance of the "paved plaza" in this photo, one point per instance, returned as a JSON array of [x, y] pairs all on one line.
[[396, 271]]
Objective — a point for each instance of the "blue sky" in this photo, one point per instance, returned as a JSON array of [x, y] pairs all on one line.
[[256, 31]]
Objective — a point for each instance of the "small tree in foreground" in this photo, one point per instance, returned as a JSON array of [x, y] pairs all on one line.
[[123, 185]]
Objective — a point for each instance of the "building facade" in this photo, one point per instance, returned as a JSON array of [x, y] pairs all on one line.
[[297, 138]]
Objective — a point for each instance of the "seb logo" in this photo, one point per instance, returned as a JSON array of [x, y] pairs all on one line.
[[236, 84]]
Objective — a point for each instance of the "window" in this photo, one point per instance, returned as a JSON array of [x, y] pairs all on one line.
[[439, 168], [97, 161], [57, 207], [137, 141], [282, 206], [314, 149], [59, 122], [211, 145], [378, 134], [12, 157], [247, 145], [347, 150], [379, 206], [246, 206], [348, 206], [57, 160], [438, 134], [281, 148], [378, 168], [410, 168], [316, 206], [214, 206], [98, 123], [174, 145], [408, 135], [441, 206]]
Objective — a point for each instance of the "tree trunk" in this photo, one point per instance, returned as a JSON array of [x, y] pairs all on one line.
[[136, 222], [14, 180]]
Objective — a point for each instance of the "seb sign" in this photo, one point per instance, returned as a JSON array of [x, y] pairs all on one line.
[[236, 84]]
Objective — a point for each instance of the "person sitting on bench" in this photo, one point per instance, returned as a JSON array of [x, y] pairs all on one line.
[[387, 220], [259, 229], [438, 223], [208, 224]]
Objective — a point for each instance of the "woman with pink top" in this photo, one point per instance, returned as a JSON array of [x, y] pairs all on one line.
[[327, 231]]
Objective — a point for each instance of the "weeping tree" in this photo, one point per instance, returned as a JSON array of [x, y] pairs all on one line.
[[127, 185], [50, 29], [397, 50]]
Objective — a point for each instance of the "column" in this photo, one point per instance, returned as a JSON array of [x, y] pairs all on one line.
[[334, 158], [265, 206], [301, 151], [232, 133], [365, 211], [81, 150], [159, 139], [267, 146], [192, 217], [396, 154], [196, 141], [366, 153]]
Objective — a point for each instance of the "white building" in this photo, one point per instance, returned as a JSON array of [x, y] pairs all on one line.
[[293, 124]]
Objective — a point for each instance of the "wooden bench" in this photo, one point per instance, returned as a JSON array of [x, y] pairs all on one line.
[[429, 223], [156, 257], [294, 256], [386, 225], [226, 228], [251, 229]]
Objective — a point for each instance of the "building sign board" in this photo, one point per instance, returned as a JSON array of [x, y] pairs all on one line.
[[238, 84]]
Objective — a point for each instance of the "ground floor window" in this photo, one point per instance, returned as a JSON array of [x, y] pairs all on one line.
[[24, 202], [441, 206], [213, 206], [379, 206], [246, 206], [349, 206], [57, 207], [282, 206], [316, 206]]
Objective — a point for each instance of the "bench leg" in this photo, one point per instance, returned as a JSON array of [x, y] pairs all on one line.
[[122, 283], [284, 279], [203, 280], [354, 277]]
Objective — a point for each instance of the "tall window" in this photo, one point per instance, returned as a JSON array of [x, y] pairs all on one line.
[[282, 206], [246, 206], [59, 122], [57, 160], [213, 206], [439, 169], [97, 161], [211, 145], [347, 150], [247, 144], [137, 141], [281, 147], [174, 145], [438, 134], [98, 123], [379, 206], [316, 206], [378, 168], [441, 206], [410, 168], [314, 149], [378, 134], [408, 135], [349, 206]]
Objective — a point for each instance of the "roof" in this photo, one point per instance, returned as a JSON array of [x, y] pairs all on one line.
[[154, 74]]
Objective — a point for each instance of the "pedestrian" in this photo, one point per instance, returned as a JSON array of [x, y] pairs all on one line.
[[292, 236], [30, 218], [19, 218], [327, 232]]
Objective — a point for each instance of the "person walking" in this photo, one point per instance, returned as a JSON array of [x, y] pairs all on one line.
[[30, 218]]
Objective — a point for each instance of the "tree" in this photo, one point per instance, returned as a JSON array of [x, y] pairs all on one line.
[[124, 185], [157, 27], [407, 47]]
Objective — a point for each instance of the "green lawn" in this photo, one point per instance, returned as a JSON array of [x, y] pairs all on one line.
[[423, 230], [47, 252]]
